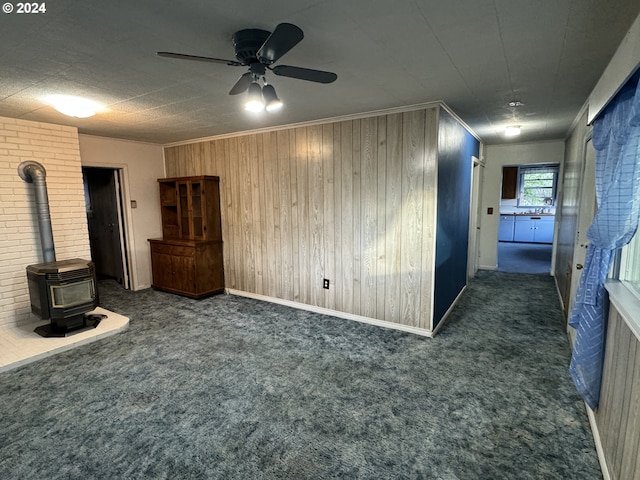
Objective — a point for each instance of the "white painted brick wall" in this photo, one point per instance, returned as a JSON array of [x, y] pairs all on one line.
[[56, 148]]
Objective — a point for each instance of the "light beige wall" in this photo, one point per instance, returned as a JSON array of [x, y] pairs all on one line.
[[351, 201], [142, 165], [497, 156], [56, 148]]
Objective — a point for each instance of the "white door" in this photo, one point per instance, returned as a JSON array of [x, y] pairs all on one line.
[[586, 212]]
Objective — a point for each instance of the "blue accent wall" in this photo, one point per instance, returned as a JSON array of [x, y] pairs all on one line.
[[456, 146]]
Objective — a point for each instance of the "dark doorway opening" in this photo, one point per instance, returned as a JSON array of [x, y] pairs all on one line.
[[104, 206]]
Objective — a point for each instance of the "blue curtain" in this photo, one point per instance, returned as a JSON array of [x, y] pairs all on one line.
[[616, 138]]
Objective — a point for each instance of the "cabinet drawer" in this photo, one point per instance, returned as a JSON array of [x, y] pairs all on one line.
[[537, 218], [173, 250]]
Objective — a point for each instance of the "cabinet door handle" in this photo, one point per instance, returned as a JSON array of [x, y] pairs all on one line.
[[579, 266]]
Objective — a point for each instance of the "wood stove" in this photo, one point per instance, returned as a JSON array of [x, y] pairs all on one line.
[[63, 291]]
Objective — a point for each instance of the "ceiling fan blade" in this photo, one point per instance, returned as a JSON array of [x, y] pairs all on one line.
[[305, 74], [284, 38], [242, 84], [183, 56]]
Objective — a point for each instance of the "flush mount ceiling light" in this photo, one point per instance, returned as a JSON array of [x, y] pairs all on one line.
[[512, 131], [74, 106]]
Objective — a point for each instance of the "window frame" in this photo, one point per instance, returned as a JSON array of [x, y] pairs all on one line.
[[627, 266], [524, 169]]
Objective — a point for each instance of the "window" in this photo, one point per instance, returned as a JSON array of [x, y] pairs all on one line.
[[629, 272], [537, 186]]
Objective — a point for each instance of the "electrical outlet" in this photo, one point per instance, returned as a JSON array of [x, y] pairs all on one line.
[[325, 283]]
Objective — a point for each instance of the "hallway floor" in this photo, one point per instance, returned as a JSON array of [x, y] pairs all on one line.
[[524, 257]]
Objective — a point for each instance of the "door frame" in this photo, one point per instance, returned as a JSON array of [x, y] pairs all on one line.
[[473, 255], [125, 217], [584, 214]]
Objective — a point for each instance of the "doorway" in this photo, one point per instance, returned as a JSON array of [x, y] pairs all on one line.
[[527, 218], [104, 207]]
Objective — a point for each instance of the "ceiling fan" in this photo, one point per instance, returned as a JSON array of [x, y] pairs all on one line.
[[258, 50]]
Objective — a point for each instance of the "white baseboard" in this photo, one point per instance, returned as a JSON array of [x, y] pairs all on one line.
[[597, 441], [487, 267], [559, 294], [334, 313], [446, 314]]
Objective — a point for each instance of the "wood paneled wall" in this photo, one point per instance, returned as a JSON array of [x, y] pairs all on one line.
[[351, 201], [618, 416]]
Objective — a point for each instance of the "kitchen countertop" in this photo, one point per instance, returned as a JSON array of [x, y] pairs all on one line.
[[530, 214]]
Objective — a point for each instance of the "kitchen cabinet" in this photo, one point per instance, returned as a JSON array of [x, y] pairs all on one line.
[[505, 231], [534, 229], [509, 183], [187, 260]]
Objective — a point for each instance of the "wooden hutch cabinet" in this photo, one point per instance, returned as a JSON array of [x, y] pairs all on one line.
[[187, 260]]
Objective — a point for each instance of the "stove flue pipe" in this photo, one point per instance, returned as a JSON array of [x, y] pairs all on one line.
[[33, 172]]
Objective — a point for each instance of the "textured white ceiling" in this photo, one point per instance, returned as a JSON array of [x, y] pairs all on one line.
[[475, 55]]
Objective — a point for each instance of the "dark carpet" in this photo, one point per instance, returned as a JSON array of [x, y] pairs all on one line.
[[524, 257], [232, 388]]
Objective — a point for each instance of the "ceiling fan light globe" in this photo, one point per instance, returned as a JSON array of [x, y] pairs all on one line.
[[254, 106], [255, 102], [274, 106], [271, 99]]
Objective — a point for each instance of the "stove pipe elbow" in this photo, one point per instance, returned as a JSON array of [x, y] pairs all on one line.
[[33, 172]]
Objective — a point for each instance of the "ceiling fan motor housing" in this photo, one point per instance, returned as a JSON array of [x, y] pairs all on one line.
[[247, 43], [258, 50]]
